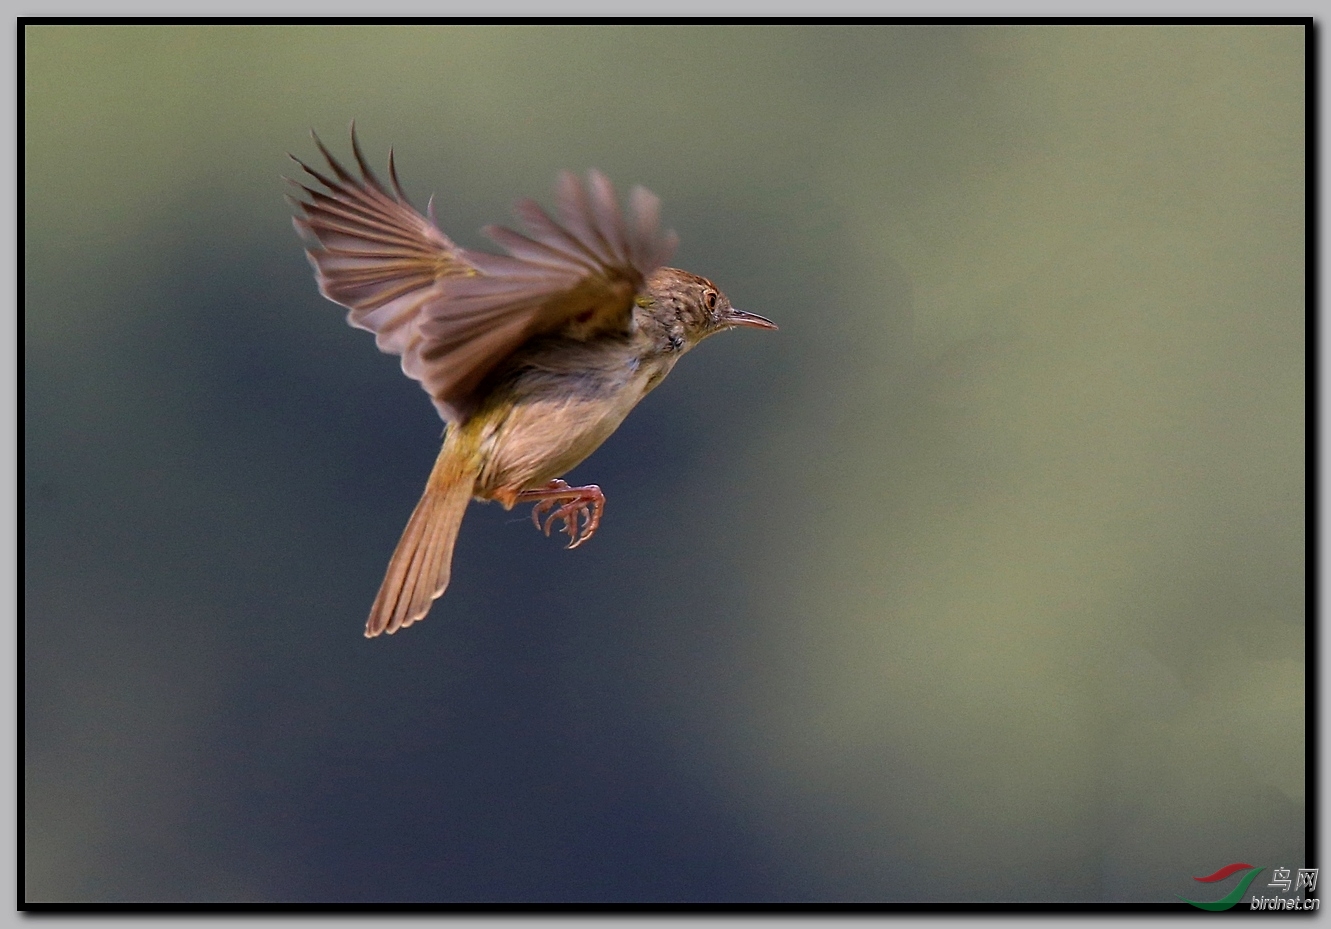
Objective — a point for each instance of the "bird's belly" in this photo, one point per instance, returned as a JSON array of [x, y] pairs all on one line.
[[546, 435]]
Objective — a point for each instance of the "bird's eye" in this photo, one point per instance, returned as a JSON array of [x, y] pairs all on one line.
[[709, 300]]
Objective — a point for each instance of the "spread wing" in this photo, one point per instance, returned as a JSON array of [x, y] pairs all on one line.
[[453, 314], [372, 252]]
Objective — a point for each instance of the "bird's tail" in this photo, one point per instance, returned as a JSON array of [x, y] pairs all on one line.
[[421, 564]]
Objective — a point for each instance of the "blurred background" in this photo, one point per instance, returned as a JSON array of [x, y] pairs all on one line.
[[982, 580]]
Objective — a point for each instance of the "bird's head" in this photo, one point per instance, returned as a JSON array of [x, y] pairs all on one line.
[[680, 309]]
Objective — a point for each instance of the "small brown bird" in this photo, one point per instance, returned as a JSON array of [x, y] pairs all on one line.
[[532, 359]]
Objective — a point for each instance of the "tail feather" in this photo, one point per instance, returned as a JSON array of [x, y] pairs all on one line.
[[420, 567]]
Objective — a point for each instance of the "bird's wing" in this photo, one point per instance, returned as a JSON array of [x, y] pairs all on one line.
[[373, 252], [453, 313]]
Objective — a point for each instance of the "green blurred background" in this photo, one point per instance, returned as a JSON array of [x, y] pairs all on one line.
[[983, 579]]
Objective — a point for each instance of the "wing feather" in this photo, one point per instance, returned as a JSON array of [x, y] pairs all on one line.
[[551, 233], [605, 210], [372, 252], [544, 253], [578, 216], [454, 314]]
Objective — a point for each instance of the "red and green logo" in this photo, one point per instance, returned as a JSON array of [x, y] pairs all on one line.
[[1235, 895]]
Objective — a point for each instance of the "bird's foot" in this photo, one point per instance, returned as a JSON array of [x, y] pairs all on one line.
[[575, 505]]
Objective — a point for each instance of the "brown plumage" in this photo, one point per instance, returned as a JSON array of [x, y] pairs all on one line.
[[532, 358]]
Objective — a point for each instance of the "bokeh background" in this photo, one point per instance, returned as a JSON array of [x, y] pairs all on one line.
[[982, 580]]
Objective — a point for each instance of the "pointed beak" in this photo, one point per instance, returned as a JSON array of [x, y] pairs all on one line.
[[740, 318]]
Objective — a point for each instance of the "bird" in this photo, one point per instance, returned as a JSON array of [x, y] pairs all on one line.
[[532, 358]]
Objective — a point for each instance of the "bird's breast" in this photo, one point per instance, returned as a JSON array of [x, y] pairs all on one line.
[[560, 416]]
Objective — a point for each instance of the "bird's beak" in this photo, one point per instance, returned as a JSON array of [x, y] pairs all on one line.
[[740, 318]]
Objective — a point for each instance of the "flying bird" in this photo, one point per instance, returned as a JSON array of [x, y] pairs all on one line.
[[532, 358]]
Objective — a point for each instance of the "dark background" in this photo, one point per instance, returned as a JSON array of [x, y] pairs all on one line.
[[980, 580]]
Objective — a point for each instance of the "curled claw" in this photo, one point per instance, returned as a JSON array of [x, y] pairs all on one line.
[[544, 506], [557, 514], [592, 516], [572, 514], [580, 510]]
